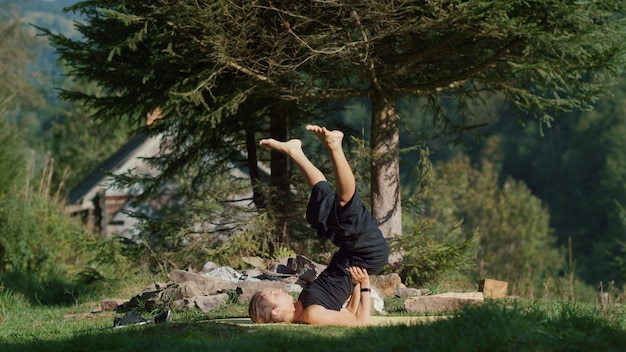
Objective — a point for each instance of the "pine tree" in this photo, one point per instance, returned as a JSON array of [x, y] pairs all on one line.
[[544, 56], [17, 88], [202, 61]]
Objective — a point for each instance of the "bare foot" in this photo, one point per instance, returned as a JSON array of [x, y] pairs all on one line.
[[289, 147], [332, 139]]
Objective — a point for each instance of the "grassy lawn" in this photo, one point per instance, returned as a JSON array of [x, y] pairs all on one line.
[[495, 326]]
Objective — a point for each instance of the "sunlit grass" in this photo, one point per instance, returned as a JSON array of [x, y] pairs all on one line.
[[514, 325]]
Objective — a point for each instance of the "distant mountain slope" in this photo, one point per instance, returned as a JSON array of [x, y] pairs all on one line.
[[45, 14], [48, 14]]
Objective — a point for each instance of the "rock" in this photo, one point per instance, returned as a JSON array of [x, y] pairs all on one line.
[[207, 303], [243, 299], [216, 286], [251, 273], [250, 287], [223, 273], [187, 289], [443, 302], [208, 285], [294, 288], [289, 280], [493, 288], [109, 305], [387, 283], [255, 262], [186, 303], [208, 266], [247, 288], [395, 258], [405, 292], [274, 276], [466, 295], [155, 287], [306, 269], [301, 264], [280, 266], [308, 276], [147, 294], [178, 304]]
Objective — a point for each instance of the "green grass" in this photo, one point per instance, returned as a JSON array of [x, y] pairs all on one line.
[[495, 326]]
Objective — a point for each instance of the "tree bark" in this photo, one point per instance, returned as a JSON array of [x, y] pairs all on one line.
[[251, 149], [279, 180], [385, 168]]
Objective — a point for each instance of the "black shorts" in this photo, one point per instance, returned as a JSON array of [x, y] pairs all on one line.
[[351, 227]]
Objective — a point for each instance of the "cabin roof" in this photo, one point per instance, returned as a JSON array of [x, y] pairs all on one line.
[[95, 179]]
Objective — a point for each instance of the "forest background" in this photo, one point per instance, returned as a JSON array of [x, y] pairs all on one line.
[[545, 201]]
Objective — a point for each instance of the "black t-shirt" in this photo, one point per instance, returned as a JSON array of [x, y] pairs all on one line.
[[360, 242], [330, 290]]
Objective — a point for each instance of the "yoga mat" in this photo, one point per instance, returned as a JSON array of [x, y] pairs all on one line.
[[375, 320]]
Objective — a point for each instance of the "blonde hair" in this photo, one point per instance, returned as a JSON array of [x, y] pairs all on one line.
[[260, 309]]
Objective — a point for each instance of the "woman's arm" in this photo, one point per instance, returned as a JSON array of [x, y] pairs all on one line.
[[355, 299], [318, 315], [364, 309], [357, 312]]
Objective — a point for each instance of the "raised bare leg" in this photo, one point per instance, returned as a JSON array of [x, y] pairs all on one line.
[[345, 184], [293, 149]]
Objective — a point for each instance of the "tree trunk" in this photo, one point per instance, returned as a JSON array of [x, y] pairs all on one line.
[[279, 181], [385, 168], [251, 148]]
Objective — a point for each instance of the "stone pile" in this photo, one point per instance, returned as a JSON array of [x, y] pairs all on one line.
[[215, 286]]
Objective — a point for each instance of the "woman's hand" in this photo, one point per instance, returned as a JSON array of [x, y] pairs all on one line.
[[361, 301], [359, 276]]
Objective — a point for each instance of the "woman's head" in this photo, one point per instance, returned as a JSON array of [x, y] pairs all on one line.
[[270, 306]]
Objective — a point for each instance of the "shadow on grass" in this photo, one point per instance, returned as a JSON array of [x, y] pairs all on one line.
[[493, 327], [51, 291]]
